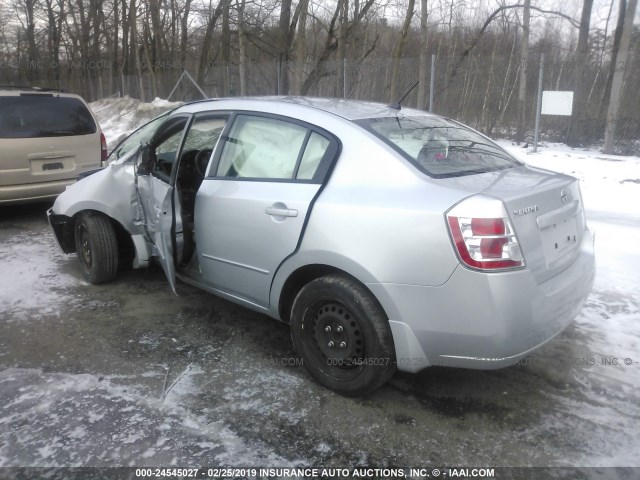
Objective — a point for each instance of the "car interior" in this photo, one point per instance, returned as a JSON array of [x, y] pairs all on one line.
[[191, 166]]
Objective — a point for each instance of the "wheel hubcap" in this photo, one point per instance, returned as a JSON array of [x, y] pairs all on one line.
[[337, 332]]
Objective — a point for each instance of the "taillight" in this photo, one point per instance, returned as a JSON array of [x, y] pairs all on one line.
[[103, 147], [486, 243]]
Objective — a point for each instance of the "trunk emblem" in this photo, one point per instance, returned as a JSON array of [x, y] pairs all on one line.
[[525, 210], [563, 196]]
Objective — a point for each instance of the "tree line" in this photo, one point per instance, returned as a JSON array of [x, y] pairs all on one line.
[[488, 54]]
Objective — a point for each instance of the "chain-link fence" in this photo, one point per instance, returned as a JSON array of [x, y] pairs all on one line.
[[480, 91]]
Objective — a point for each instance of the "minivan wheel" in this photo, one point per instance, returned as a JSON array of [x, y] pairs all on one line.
[[343, 335], [96, 247]]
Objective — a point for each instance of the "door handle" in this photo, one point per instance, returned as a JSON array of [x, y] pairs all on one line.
[[281, 212]]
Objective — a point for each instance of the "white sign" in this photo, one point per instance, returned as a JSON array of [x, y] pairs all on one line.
[[557, 103]]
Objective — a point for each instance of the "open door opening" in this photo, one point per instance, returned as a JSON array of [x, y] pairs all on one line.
[[171, 170]]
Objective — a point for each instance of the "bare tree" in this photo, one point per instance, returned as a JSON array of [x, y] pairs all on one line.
[[184, 32], [300, 46], [578, 131], [242, 46], [225, 46], [617, 37], [398, 51], [284, 46], [524, 59], [27, 8], [55, 19], [331, 44], [207, 41], [341, 56], [133, 30], [618, 77], [476, 37], [424, 56]]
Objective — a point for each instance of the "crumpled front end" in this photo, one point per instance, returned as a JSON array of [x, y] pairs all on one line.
[[111, 191]]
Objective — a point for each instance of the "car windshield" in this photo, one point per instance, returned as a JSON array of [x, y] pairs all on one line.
[[440, 147], [37, 115], [138, 137]]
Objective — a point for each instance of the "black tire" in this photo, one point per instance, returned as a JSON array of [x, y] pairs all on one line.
[[96, 247], [367, 359]]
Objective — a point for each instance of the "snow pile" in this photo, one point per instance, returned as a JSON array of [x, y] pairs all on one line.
[[120, 116]]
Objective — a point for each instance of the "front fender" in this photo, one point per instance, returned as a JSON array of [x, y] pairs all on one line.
[[110, 191]]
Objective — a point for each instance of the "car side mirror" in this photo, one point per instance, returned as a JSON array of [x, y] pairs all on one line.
[[147, 158]]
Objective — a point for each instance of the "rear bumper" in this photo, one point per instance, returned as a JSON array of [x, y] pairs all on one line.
[[484, 321], [33, 192]]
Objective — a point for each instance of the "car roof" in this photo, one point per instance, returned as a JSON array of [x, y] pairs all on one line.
[[348, 109], [16, 91]]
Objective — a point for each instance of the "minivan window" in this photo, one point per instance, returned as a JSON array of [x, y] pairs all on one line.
[[438, 146], [36, 115]]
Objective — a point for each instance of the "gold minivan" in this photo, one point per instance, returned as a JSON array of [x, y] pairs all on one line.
[[47, 138]]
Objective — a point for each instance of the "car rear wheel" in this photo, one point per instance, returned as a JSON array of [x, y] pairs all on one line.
[[96, 247], [343, 335]]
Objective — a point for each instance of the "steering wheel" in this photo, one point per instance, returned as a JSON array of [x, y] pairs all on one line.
[[201, 161]]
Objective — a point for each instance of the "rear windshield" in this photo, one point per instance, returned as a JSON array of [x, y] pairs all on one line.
[[29, 116], [440, 147]]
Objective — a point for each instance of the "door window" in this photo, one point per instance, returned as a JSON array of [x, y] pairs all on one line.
[[260, 147], [204, 133], [166, 155], [159, 157], [200, 143], [314, 152]]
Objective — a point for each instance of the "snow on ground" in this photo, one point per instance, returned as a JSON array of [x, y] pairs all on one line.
[[150, 431], [40, 274], [610, 319], [120, 116]]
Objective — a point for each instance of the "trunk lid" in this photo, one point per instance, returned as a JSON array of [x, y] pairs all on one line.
[[545, 209]]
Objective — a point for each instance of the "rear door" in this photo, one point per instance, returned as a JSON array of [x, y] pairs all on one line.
[[252, 208]]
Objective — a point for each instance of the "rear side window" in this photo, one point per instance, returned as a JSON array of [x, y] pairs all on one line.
[[440, 147], [271, 149], [35, 115]]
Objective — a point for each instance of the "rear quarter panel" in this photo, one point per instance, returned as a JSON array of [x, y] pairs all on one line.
[[378, 219]]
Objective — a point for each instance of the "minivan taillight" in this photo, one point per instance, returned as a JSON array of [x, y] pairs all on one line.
[[103, 148], [486, 243]]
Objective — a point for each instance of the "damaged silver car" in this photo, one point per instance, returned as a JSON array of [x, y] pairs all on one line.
[[388, 239]]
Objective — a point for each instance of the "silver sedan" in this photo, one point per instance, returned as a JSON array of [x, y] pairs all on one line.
[[388, 239]]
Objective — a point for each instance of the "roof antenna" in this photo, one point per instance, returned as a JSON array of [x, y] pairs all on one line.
[[396, 106]]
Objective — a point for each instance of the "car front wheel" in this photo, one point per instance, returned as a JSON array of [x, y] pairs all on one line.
[[343, 335], [96, 247]]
